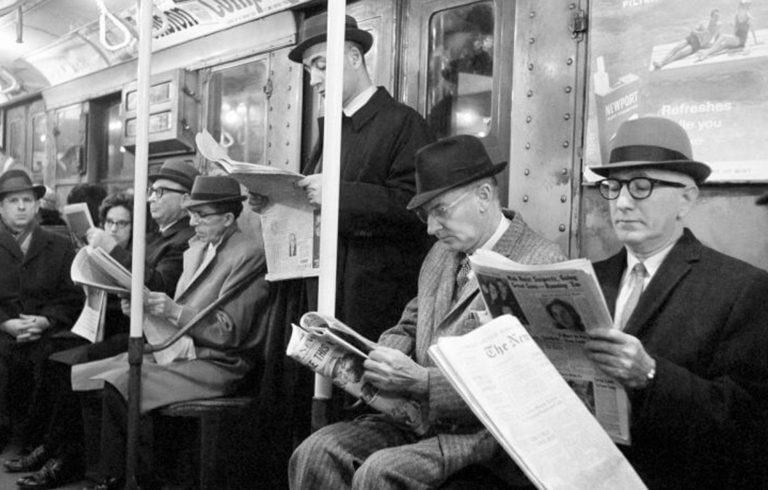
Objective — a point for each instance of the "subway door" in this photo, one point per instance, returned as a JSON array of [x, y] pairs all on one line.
[[379, 18], [458, 70]]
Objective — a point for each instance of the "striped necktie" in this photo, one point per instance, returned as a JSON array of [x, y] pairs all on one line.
[[635, 285]]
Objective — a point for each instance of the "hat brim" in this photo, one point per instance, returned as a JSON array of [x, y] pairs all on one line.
[[37, 190], [191, 203], [359, 36], [179, 180], [762, 200], [420, 199], [698, 171]]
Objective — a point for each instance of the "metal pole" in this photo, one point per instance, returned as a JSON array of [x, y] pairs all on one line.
[[136, 343], [326, 299]]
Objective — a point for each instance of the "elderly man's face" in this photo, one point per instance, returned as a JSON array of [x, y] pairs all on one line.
[[454, 218], [209, 223], [647, 225], [18, 209], [167, 208]]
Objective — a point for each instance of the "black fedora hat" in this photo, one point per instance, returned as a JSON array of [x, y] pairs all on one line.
[[449, 163], [314, 31], [213, 189], [17, 180], [179, 170], [655, 143]]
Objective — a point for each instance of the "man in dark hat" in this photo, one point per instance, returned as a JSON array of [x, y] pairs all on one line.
[[380, 244], [690, 339], [457, 197], [37, 296], [220, 260]]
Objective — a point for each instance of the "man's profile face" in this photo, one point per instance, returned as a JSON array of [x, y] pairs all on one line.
[[314, 62], [18, 209], [166, 209], [457, 228], [646, 225]]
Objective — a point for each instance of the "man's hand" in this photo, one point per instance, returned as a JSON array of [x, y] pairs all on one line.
[[391, 370], [99, 238], [26, 328], [313, 187], [621, 356], [259, 203], [160, 304]]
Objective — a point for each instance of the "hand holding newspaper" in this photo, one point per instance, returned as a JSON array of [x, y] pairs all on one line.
[[509, 383], [96, 269], [289, 223], [334, 350], [558, 303]]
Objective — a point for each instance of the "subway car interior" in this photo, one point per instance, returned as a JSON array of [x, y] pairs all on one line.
[[544, 87]]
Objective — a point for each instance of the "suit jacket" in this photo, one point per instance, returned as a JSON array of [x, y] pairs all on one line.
[[381, 244], [704, 319], [222, 339], [39, 282], [431, 315]]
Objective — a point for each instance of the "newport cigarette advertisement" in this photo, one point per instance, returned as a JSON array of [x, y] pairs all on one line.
[[702, 63]]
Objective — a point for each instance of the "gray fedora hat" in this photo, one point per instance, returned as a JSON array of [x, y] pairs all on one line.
[[314, 31], [213, 189], [17, 180], [655, 143], [449, 163], [179, 170]]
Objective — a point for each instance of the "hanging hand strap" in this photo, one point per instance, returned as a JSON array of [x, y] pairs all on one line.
[[105, 16]]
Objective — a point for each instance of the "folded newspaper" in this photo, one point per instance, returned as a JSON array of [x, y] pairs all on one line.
[[558, 303], [518, 394], [94, 268], [290, 224], [334, 350]]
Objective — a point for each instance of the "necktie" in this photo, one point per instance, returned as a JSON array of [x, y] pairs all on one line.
[[462, 275], [635, 285]]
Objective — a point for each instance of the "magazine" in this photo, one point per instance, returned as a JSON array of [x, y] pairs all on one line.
[[79, 221], [558, 303], [334, 350], [290, 224], [94, 268], [518, 394]]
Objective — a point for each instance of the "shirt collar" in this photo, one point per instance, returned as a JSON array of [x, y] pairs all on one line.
[[359, 101], [500, 230], [169, 225], [651, 263]]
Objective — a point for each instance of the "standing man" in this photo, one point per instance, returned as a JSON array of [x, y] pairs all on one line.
[[690, 341], [458, 199], [381, 243], [37, 296]]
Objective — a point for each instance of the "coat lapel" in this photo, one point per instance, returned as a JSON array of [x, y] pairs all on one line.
[[37, 244], [8, 242]]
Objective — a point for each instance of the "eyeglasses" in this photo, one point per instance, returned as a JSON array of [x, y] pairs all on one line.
[[160, 191], [441, 211], [193, 215], [118, 223], [638, 187]]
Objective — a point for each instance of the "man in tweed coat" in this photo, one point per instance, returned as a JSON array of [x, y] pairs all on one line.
[[458, 199]]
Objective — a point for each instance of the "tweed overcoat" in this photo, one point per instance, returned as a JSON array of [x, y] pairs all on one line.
[[222, 339], [431, 315], [704, 319]]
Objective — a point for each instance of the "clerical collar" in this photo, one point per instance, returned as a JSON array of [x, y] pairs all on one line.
[[359, 101]]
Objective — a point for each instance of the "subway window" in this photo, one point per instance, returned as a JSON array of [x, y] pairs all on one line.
[[69, 141], [460, 70]]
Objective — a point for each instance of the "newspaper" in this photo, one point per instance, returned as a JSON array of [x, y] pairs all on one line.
[[334, 350], [94, 268], [290, 225], [90, 323], [559, 303], [517, 393], [79, 221]]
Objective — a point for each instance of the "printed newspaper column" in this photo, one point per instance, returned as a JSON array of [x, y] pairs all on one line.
[[614, 104]]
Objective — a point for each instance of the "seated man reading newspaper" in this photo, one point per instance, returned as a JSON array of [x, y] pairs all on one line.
[[690, 338], [457, 197], [213, 355]]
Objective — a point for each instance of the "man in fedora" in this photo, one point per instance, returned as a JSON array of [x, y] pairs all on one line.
[[380, 244], [58, 453], [220, 257], [690, 339], [37, 296], [457, 197]]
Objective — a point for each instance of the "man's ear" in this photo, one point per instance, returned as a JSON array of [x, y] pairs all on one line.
[[687, 199]]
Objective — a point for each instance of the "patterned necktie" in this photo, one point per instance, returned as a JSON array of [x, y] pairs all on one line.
[[462, 275], [635, 285]]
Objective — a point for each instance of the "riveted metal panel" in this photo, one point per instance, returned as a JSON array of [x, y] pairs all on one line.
[[547, 109], [284, 130]]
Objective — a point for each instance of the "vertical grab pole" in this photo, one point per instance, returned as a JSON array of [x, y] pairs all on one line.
[[136, 342], [330, 183]]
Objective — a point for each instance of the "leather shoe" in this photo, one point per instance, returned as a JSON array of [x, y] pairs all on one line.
[[110, 483], [31, 462], [54, 473]]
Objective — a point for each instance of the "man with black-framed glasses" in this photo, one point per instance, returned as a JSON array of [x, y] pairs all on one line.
[[690, 336]]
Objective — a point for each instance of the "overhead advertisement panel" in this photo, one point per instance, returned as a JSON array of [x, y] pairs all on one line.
[[702, 63]]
